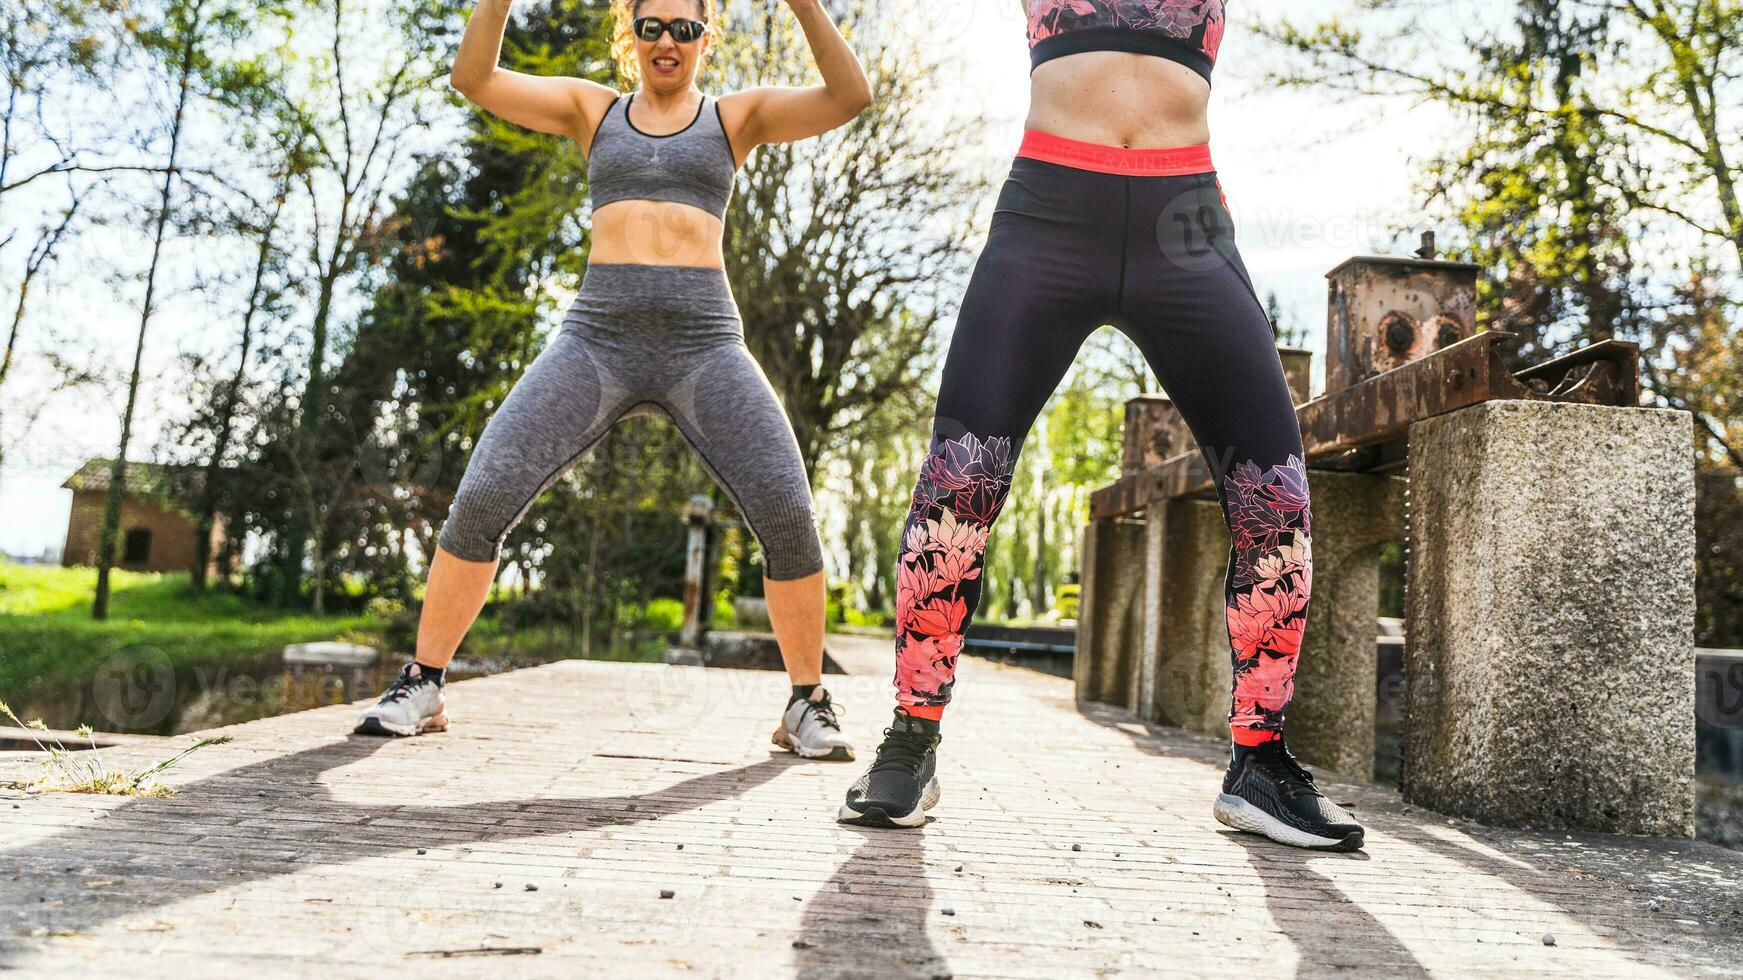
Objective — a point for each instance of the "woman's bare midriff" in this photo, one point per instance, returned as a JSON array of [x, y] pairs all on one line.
[[1116, 98], [656, 233]]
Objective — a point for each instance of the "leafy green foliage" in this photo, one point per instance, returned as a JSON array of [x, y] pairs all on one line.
[[1595, 180], [51, 648]]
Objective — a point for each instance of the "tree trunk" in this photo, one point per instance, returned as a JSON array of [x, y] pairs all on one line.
[[207, 517], [118, 472], [1038, 584], [320, 572], [586, 600], [313, 406]]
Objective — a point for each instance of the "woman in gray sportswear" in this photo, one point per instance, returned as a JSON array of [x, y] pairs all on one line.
[[654, 328]]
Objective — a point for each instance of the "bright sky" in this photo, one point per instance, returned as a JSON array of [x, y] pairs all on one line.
[[1311, 180]]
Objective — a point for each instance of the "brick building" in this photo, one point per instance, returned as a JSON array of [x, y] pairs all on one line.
[[157, 532]]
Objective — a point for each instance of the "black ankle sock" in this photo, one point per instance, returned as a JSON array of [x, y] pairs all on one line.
[[802, 692], [1240, 751], [431, 673]]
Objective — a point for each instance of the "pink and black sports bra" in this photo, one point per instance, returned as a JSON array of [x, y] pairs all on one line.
[[1186, 31]]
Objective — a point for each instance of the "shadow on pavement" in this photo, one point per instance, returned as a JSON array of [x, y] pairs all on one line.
[[296, 824], [1604, 883], [869, 918]]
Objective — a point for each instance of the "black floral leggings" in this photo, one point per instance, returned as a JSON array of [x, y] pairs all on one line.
[[1070, 250]]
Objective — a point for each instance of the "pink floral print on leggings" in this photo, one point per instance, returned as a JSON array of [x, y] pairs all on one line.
[[1270, 580], [959, 494]]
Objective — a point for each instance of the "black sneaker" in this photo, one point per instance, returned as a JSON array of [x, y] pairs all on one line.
[[902, 784], [1267, 792]]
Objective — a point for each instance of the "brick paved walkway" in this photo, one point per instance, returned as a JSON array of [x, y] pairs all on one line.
[[538, 835]]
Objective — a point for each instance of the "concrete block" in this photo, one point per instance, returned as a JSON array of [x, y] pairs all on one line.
[[1297, 372], [331, 654], [1549, 664], [750, 612], [1193, 674], [1111, 611], [684, 657], [1330, 722], [737, 650], [1141, 694]]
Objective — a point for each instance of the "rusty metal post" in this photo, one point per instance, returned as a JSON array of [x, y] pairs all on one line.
[[1386, 311], [1298, 371], [697, 608], [1154, 431]]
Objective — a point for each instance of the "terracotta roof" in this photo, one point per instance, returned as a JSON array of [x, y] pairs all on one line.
[[143, 479]]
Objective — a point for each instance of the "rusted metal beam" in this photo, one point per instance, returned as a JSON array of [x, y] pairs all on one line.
[[1382, 409], [1455, 377], [1606, 373]]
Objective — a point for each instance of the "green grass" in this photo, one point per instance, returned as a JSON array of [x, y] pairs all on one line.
[[49, 642]]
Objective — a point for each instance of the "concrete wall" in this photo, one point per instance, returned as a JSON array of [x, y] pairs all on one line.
[[1194, 674], [1550, 617], [1330, 721], [1111, 613]]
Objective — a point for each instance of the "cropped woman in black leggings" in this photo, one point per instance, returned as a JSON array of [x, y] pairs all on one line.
[[1113, 214]]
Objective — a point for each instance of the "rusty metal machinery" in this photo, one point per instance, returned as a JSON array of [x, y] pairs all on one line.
[[1373, 415], [1400, 350], [1155, 431], [1385, 311]]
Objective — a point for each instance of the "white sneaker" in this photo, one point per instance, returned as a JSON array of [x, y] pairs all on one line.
[[412, 705], [810, 730]]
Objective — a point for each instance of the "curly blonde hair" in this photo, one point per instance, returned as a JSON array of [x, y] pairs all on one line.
[[623, 13]]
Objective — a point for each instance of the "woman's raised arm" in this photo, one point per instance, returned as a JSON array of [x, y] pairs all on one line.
[[781, 115], [550, 104]]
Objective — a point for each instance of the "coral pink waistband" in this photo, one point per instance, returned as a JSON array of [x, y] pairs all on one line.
[[1173, 161]]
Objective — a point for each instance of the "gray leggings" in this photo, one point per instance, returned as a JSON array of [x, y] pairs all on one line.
[[665, 339]]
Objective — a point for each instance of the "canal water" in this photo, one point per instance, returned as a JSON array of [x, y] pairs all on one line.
[[143, 694]]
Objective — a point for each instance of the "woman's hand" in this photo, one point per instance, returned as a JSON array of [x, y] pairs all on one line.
[[550, 104], [783, 114]]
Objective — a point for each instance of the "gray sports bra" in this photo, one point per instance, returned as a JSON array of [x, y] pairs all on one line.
[[694, 165]]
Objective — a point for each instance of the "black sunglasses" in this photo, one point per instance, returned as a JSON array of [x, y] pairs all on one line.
[[683, 31]]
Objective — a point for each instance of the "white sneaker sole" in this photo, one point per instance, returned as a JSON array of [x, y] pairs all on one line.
[[828, 753], [876, 817], [372, 725], [1232, 811]]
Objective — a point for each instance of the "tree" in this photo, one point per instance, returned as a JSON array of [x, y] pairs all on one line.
[[47, 50], [36, 264], [1600, 196], [360, 108], [1605, 131], [181, 38], [846, 252]]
